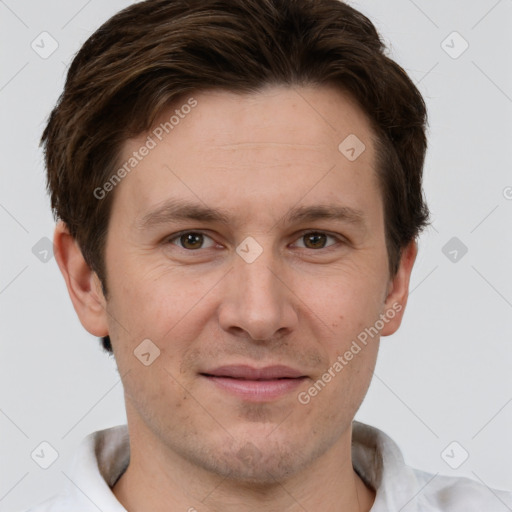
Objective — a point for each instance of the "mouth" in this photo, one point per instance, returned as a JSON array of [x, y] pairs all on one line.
[[255, 384]]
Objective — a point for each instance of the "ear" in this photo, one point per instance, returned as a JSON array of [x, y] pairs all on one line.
[[398, 290], [83, 285]]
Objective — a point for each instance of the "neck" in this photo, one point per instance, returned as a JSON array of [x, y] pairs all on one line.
[[162, 481]]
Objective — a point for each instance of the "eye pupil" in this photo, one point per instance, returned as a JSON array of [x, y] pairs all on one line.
[[191, 238], [315, 237]]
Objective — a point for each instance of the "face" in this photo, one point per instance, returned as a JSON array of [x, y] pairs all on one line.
[[250, 250]]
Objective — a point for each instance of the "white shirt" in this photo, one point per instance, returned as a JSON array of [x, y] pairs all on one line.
[[103, 456]]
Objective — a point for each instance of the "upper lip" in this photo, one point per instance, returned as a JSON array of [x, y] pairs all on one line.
[[249, 373]]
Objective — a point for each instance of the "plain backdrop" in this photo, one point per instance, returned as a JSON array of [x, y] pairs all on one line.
[[444, 377]]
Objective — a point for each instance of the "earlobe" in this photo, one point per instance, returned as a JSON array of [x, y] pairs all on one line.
[[82, 282], [398, 290]]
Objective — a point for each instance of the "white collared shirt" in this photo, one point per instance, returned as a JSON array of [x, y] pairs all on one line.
[[103, 456]]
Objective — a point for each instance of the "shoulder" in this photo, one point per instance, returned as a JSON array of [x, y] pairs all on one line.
[[380, 463], [55, 503], [458, 494], [97, 463]]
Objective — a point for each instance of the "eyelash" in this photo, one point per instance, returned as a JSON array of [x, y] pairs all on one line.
[[177, 236]]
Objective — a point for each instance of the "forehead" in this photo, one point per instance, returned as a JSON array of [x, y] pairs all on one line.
[[316, 118], [275, 146]]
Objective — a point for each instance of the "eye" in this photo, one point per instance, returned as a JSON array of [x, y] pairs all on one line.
[[317, 239], [194, 240], [190, 240]]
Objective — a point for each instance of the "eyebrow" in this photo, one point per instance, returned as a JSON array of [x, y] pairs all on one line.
[[174, 210], [179, 209], [327, 212]]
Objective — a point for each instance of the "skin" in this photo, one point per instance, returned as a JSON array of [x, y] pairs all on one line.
[[301, 303]]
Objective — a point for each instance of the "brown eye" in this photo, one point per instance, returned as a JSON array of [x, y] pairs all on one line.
[[318, 240], [315, 240], [190, 240]]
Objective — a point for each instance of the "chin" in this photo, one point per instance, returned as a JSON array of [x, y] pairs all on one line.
[[261, 463]]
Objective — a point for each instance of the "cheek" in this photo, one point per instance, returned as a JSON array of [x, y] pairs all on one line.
[[352, 309], [152, 302], [349, 305], [156, 395]]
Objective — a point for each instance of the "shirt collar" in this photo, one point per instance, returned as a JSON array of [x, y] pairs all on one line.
[[377, 459], [101, 458], [104, 455]]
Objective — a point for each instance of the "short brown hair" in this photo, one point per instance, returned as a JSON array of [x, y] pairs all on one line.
[[152, 53]]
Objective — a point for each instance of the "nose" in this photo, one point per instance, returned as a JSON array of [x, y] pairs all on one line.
[[257, 300]]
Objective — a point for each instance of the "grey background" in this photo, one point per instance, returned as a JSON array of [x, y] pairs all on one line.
[[443, 377]]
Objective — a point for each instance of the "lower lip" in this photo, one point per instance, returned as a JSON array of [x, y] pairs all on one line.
[[257, 390]]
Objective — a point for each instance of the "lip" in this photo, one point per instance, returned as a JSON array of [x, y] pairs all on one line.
[[249, 373], [255, 384]]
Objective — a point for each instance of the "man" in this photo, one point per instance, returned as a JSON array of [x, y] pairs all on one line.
[[238, 188]]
